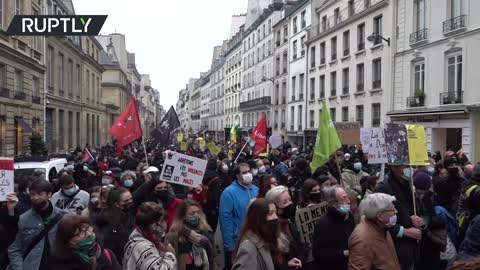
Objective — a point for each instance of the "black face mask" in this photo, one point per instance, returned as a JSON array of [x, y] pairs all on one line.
[[162, 195], [273, 224], [452, 171], [127, 207], [289, 212], [316, 197]]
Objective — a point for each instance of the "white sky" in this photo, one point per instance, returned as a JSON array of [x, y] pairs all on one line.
[[172, 40]]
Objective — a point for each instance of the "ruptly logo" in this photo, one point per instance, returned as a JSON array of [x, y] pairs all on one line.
[[56, 25]]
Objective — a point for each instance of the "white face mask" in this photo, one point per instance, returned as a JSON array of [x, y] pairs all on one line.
[[106, 181], [254, 172], [391, 222], [262, 169], [247, 178]]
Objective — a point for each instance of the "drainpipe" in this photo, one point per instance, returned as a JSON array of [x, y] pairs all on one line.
[[44, 10], [305, 95]]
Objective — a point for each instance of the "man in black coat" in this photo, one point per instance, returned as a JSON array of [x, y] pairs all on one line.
[[406, 233], [330, 238]]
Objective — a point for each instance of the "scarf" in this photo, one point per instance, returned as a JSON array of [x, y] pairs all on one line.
[[201, 247]]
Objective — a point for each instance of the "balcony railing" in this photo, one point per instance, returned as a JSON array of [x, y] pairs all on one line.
[[333, 92], [312, 123], [454, 24], [345, 91], [376, 122], [20, 95], [4, 91], [293, 98], [360, 87], [417, 101], [334, 56], [361, 46], [300, 96], [346, 52], [451, 98], [283, 125], [36, 99], [284, 100], [312, 96], [418, 36], [377, 84], [259, 102]]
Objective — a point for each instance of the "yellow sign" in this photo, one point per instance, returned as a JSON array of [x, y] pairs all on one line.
[[180, 137], [214, 149], [202, 144], [230, 154], [417, 145], [183, 146]]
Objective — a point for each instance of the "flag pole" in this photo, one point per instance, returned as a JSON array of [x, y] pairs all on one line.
[[145, 151], [339, 171], [242, 149], [413, 192]]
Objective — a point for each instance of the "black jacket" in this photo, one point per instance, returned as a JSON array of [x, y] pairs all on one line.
[[73, 262], [407, 248], [296, 248], [8, 230], [330, 239], [114, 230]]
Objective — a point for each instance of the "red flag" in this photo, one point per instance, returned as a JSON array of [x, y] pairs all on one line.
[[259, 135], [127, 128], [87, 156]]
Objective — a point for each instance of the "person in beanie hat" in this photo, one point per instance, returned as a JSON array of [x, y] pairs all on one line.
[[422, 181]]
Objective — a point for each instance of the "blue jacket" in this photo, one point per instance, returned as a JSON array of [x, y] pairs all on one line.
[[233, 210], [30, 225]]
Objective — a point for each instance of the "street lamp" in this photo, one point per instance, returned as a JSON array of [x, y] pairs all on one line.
[[374, 37], [264, 79]]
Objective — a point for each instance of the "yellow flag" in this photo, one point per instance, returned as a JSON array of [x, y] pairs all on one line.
[[180, 137], [183, 146], [214, 149], [230, 154], [417, 145]]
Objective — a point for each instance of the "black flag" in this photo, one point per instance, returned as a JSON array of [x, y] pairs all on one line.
[[169, 123]]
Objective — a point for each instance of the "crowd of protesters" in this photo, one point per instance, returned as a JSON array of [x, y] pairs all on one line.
[[117, 213]]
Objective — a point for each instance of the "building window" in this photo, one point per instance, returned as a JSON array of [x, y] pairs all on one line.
[[302, 41], [344, 114], [336, 16], [346, 81], [18, 81], [377, 28], [322, 86], [294, 84], [322, 53], [18, 7], [294, 50], [292, 117], [269, 47], [295, 29], [70, 78], [333, 114], [36, 87], [324, 23], [346, 43], [333, 84], [376, 114], [333, 43], [285, 34], [61, 73], [1, 17], [312, 118], [377, 73], [277, 65], [455, 8], [419, 77], [284, 92], [312, 57], [420, 11], [301, 83], [359, 114], [360, 77], [3, 76], [285, 62], [300, 117], [270, 26], [312, 88], [454, 70], [361, 37], [50, 66], [304, 22]]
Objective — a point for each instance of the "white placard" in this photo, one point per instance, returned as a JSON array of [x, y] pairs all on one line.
[[365, 139], [183, 170], [6, 177], [377, 150]]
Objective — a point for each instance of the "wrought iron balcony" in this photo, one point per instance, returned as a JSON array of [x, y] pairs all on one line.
[[376, 122], [300, 96], [360, 87], [417, 101], [284, 100], [377, 84], [361, 46], [454, 24], [451, 98], [263, 102], [20, 95], [322, 61], [419, 36], [346, 52], [4, 92], [293, 98], [312, 123], [345, 90], [334, 56], [36, 99]]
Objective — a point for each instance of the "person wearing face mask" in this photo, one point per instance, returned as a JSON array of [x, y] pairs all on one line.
[[145, 249], [108, 179], [352, 175], [127, 180], [286, 212], [37, 227], [371, 245], [233, 208], [311, 193], [407, 232], [192, 238], [450, 189], [115, 223], [70, 197], [332, 231], [76, 247], [93, 208]]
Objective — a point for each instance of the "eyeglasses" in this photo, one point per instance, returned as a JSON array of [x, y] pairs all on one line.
[[390, 210]]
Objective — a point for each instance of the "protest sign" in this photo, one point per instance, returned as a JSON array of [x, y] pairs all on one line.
[[417, 145], [275, 141], [183, 170], [348, 132], [396, 144], [214, 149], [377, 150], [6, 177], [365, 139], [180, 137], [306, 218], [183, 146]]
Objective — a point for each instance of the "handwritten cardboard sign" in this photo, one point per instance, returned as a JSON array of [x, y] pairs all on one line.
[[306, 219], [183, 170], [6, 177], [377, 151]]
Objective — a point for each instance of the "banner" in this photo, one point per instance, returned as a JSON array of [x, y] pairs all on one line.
[[376, 144], [259, 136], [6, 177], [417, 145], [183, 170], [396, 144], [306, 219], [365, 139], [275, 141], [180, 137], [348, 132]]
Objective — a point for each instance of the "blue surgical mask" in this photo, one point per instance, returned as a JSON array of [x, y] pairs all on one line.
[[70, 191], [407, 173], [431, 171], [344, 208], [357, 166], [128, 183]]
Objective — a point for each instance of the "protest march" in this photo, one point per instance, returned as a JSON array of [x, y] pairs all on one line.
[[176, 200]]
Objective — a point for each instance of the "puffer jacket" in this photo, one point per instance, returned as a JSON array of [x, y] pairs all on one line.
[[352, 182]]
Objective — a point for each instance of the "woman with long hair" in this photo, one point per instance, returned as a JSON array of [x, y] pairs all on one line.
[[310, 193], [93, 204], [145, 250], [258, 244], [191, 237], [76, 247]]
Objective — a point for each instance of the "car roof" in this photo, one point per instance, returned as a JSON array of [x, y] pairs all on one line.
[[39, 164]]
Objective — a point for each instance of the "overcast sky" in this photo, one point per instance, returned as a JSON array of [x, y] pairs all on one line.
[[172, 40]]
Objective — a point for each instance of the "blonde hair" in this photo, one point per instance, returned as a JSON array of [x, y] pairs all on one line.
[[178, 222], [274, 193]]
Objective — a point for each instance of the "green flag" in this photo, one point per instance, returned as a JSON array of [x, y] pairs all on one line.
[[327, 141], [233, 134]]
